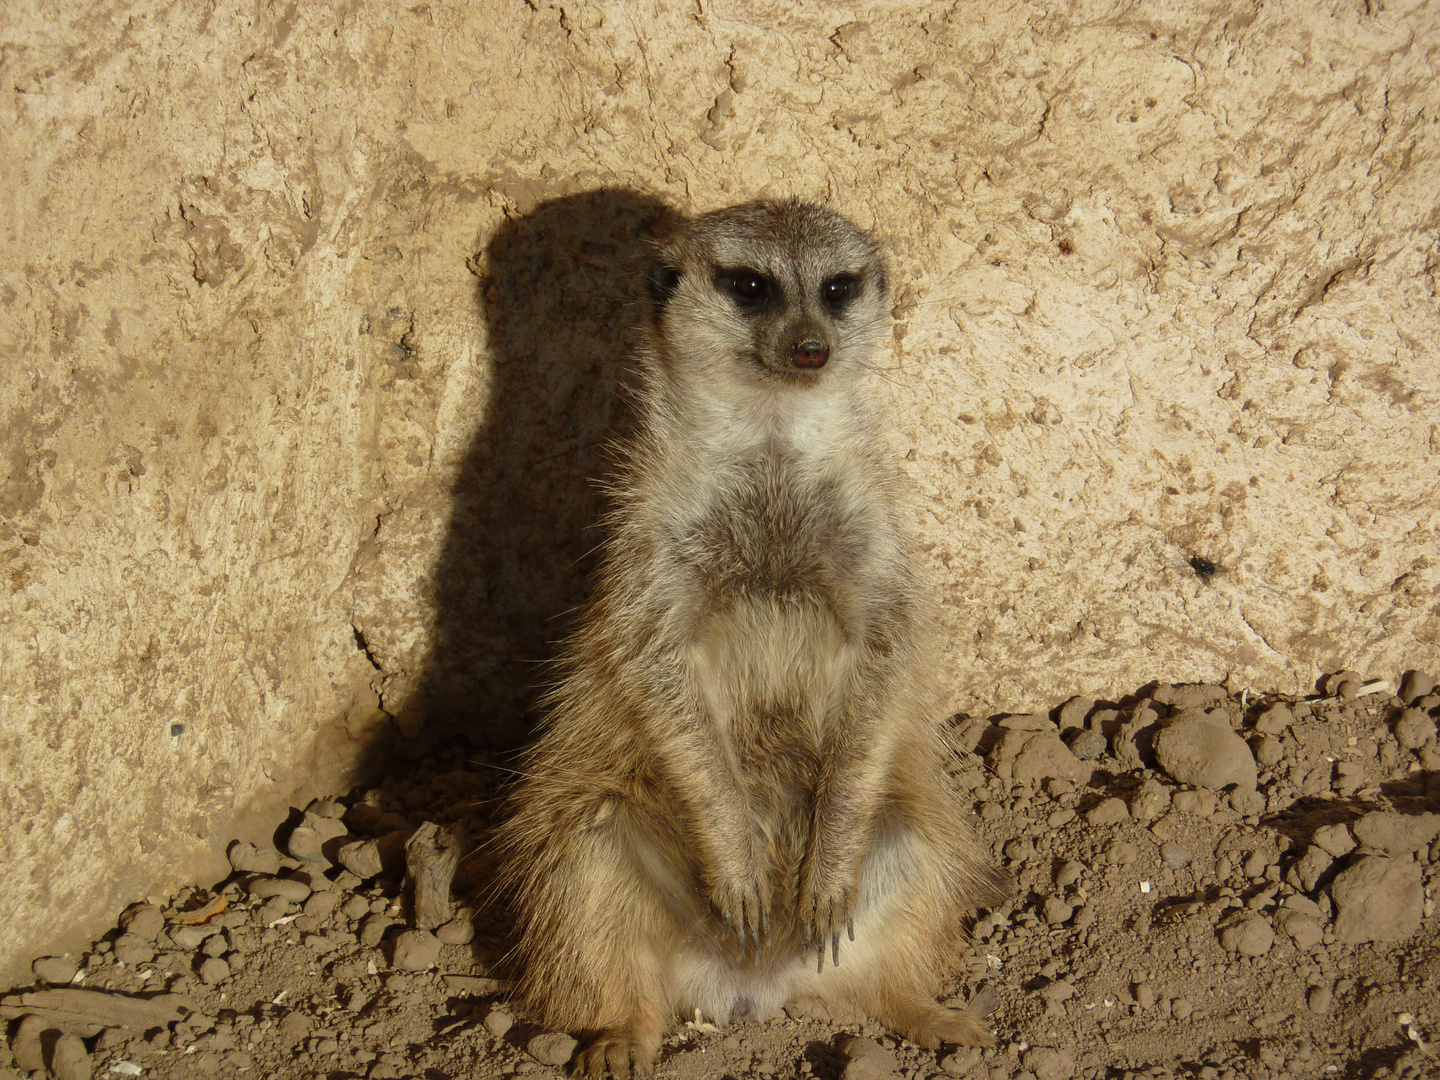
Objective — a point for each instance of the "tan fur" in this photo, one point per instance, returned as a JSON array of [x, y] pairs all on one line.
[[742, 760]]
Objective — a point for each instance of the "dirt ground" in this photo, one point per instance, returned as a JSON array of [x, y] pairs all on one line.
[[1209, 884]]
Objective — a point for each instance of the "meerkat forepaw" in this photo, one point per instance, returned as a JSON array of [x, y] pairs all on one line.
[[823, 918], [744, 912]]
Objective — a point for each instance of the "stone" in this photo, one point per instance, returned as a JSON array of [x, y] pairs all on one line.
[[1312, 866], [1087, 745], [213, 970], [458, 931], [55, 970], [322, 905], [1269, 751], [1049, 1063], [1074, 711], [1414, 728], [1319, 999], [1274, 720], [1200, 803], [305, 844], [1174, 855], [1304, 930], [1249, 936], [133, 949], [1414, 686], [1396, 834], [287, 889], [1056, 911], [868, 1060], [552, 1048], [145, 921], [1334, 840], [498, 1022], [1111, 811], [372, 929], [1197, 751], [25, 1044], [416, 950], [1150, 800], [962, 1061], [1247, 801], [1027, 757], [246, 858], [70, 1060], [1377, 899]]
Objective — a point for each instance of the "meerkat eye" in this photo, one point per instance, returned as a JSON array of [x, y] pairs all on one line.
[[748, 288], [838, 291]]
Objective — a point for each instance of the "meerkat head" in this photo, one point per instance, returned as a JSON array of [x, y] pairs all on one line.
[[780, 292]]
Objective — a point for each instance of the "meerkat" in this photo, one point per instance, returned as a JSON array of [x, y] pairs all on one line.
[[740, 798]]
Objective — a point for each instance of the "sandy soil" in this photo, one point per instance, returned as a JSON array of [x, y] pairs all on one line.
[[1209, 885]]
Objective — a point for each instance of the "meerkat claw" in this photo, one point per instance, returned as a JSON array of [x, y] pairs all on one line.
[[850, 927], [835, 948]]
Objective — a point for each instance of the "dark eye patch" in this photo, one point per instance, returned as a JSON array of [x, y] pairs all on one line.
[[748, 288], [661, 281], [837, 292]]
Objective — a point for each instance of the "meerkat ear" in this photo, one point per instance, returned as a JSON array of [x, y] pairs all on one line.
[[661, 281]]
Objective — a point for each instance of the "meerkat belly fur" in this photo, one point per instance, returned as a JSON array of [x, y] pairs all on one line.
[[740, 798]]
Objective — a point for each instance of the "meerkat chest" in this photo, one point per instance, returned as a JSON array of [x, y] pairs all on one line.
[[773, 531]]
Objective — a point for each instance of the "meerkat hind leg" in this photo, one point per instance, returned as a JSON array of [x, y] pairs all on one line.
[[621, 1051], [605, 971], [910, 891]]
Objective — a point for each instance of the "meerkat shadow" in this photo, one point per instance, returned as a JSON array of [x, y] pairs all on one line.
[[561, 292]]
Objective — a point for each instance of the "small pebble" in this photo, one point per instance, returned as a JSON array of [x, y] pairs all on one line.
[[145, 921], [372, 929], [1122, 854], [552, 1048], [1087, 745], [1414, 686], [1249, 937], [25, 1044], [1110, 812], [1195, 750], [213, 970], [1173, 855], [288, 889], [417, 950], [55, 970], [1056, 911], [1414, 729], [1334, 840], [1274, 720], [1200, 803], [1144, 995], [459, 931], [1319, 998], [248, 859], [70, 1060], [498, 1022], [133, 949]]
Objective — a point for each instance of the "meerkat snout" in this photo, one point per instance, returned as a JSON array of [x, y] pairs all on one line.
[[810, 354]]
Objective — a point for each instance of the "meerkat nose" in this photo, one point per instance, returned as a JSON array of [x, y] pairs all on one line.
[[810, 354]]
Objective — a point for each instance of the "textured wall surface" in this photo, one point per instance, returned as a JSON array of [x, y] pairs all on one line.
[[312, 317]]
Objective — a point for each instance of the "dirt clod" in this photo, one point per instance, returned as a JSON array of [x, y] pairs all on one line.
[[1377, 899], [1194, 749]]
